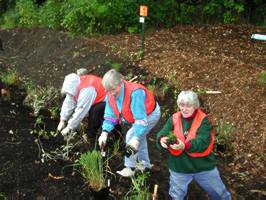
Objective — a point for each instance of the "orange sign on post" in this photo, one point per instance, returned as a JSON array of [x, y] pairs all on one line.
[[143, 11]]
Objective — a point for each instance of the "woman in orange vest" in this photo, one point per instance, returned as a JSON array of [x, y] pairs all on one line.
[[134, 104], [190, 154], [84, 98]]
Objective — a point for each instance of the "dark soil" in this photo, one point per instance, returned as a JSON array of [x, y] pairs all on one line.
[[219, 58]]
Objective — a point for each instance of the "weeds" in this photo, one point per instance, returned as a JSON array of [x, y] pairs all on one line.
[[139, 188]]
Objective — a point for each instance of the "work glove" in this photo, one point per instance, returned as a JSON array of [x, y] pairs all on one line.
[[61, 125], [132, 147], [103, 139], [65, 131], [178, 146], [164, 142]]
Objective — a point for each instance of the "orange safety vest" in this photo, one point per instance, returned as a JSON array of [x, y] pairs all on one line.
[[91, 81], [192, 133], [126, 111]]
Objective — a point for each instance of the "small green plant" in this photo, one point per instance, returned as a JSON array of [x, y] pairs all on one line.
[[28, 85], [54, 112], [92, 170], [139, 189], [166, 88], [42, 98], [172, 137], [224, 136], [10, 77], [3, 196], [262, 79], [40, 131], [116, 66]]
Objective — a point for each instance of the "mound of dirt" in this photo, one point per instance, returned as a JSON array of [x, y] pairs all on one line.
[[219, 58]]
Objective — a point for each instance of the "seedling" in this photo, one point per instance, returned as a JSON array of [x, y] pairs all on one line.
[[172, 138]]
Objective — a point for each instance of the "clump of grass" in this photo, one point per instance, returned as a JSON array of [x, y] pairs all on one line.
[[92, 170], [10, 77], [139, 189]]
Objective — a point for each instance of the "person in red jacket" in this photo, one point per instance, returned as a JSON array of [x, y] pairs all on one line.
[[190, 155], [84, 98], [133, 104]]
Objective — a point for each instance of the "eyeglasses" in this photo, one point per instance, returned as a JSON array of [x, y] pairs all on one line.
[[187, 105]]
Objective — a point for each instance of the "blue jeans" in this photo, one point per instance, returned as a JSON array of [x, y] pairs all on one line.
[[142, 155], [210, 181]]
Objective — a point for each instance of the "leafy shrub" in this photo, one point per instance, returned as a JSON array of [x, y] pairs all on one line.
[[50, 14], [83, 16], [28, 13]]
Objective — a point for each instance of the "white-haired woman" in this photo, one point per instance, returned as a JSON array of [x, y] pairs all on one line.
[[134, 104], [191, 156], [84, 98]]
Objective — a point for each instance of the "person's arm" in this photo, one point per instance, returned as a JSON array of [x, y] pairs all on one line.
[[138, 110], [168, 127], [203, 138], [67, 108], [110, 119], [85, 101]]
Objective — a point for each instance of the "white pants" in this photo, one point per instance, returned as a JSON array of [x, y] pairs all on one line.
[[142, 155]]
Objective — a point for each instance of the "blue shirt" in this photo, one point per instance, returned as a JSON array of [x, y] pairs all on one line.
[[137, 107]]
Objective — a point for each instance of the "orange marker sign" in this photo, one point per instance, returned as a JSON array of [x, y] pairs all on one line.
[[143, 11]]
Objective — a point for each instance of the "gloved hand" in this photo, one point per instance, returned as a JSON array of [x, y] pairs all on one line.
[[164, 142], [132, 147], [179, 146], [103, 139], [5, 93], [61, 125], [134, 143], [65, 131]]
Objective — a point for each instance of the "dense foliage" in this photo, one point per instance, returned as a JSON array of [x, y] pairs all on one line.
[[110, 16]]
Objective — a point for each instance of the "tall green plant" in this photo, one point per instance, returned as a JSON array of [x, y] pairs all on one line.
[[91, 168]]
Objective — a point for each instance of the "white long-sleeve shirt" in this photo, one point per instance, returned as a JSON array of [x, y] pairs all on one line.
[[75, 111]]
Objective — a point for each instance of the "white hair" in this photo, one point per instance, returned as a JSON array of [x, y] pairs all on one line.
[[188, 97], [82, 71], [112, 79]]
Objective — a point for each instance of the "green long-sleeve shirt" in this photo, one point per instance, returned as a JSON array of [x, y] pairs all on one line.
[[184, 163]]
